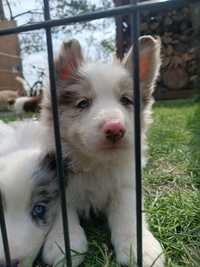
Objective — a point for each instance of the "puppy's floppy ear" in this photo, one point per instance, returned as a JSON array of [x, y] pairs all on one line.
[[49, 163], [69, 58], [150, 61]]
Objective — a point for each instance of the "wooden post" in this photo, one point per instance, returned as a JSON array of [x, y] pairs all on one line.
[[10, 60], [122, 30], [2, 15]]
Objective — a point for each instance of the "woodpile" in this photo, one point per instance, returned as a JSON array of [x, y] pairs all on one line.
[[179, 30], [180, 64]]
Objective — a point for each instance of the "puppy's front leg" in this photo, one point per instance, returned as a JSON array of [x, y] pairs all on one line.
[[54, 244], [121, 217], [122, 224]]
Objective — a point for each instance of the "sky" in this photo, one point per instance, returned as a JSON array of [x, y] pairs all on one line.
[[89, 40]]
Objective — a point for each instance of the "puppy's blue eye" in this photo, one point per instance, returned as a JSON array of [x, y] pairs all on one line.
[[39, 211], [85, 103]]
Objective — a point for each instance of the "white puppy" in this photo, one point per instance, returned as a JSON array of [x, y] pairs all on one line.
[[29, 191], [96, 115]]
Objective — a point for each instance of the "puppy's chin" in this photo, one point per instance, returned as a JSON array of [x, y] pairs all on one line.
[[108, 146], [106, 151], [96, 151]]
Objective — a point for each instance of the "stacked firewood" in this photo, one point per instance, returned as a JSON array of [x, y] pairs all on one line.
[[179, 30], [180, 63]]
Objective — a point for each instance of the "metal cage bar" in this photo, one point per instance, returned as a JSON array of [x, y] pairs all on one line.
[[4, 234], [58, 146], [134, 9], [154, 5], [135, 33]]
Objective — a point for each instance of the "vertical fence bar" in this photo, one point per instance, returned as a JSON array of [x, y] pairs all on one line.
[[4, 234], [59, 160], [135, 33]]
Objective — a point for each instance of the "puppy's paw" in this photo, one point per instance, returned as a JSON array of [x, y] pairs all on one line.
[[53, 251], [125, 252], [152, 252]]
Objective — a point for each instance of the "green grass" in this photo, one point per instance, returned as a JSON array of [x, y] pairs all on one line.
[[172, 181], [10, 116], [171, 186]]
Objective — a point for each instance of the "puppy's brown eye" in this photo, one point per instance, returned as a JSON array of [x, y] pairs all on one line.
[[83, 104], [126, 101]]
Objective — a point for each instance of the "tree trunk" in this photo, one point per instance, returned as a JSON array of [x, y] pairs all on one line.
[[2, 15], [122, 30]]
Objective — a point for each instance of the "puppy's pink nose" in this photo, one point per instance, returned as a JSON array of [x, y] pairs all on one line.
[[114, 130]]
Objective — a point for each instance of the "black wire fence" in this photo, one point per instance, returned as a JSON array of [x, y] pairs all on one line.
[[134, 10]]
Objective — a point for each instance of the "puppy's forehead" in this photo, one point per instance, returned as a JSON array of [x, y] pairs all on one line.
[[102, 75]]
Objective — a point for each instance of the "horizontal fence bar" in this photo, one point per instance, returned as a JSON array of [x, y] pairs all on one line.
[[154, 5], [58, 146]]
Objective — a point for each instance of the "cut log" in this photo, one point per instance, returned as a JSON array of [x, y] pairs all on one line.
[[175, 78], [176, 61], [167, 39], [169, 50], [179, 32], [168, 21], [166, 62]]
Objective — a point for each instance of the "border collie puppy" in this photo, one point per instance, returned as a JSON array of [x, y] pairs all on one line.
[[96, 116]]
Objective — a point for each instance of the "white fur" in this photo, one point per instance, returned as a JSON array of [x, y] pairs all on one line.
[[103, 177], [20, 135], [20, 158], [25, 238]]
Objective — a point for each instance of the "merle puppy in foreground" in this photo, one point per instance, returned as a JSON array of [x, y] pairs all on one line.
[[29, 191], [96, 117]]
